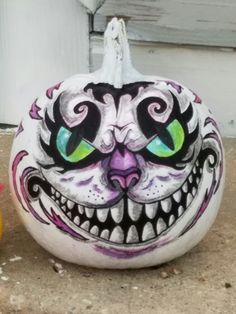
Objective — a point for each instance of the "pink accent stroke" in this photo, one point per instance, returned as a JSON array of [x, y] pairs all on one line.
[[50, 90], [19, 157]]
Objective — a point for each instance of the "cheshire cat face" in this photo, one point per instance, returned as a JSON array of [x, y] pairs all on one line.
[[123, 165], [117, 177]]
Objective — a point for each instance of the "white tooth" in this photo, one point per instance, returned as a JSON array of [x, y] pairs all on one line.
[[94, 230], [63, 200], [77, 220], [171, 220], [117, 235], [189, 199], [134, 210], [185, 187], [166, 205], [197, 180], [69, 215], [194, 170], [63, 208], [85, 225], [105, 234], [70, 204], [117, 214], [53, 197], [177, 196], [89, 212], [151, 210], [57, 202], [194, 190], [53, 190], [197, 163], [35, 188], [81, 209], [201, 170], [132, 235], [148, 232], [161, 226], [102, 214], [180, 211], [190, 178], [58, 194]]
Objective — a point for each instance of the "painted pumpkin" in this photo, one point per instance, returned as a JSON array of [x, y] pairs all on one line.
[[115, 169]]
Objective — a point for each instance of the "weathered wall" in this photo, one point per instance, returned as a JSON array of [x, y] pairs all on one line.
[[41, 43], [201, 22]]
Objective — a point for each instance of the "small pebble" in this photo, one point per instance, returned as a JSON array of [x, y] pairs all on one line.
[[51, 260], [164, 274], [58, 268], [15, 258], [228, 285], [4, 278], [176, 271]]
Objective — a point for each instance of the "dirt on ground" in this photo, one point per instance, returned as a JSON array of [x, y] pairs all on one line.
[[201, 281]]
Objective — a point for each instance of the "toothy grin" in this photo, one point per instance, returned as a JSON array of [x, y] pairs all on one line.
[[128, 222]]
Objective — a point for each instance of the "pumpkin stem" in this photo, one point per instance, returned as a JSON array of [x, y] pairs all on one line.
[[117, 68]]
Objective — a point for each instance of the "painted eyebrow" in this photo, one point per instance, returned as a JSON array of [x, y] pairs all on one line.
[[87, 128], [100, 89]]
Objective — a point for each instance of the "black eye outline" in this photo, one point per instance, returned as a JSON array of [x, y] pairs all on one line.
[[87, 131], [152, 129], [68, 150]]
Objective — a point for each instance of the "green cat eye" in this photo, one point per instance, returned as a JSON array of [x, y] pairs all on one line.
[[158, 148], [83, 149]]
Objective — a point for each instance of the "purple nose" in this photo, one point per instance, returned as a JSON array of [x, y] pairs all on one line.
[[123, 169]]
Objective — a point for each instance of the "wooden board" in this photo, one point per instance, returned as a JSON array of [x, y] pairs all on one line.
[[210, 72], [200, 22]]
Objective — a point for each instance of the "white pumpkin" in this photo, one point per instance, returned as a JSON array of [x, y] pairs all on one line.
[[115, 169]]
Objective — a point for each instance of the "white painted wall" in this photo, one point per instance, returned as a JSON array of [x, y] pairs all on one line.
[[210, 72], [41, 43]]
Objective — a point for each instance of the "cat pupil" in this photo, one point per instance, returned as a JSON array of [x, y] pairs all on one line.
[[73, 142]]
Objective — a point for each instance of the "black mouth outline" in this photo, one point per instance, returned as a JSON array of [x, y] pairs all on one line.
[[87, 220]]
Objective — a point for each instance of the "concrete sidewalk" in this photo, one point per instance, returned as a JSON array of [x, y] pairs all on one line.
[[202, 281]]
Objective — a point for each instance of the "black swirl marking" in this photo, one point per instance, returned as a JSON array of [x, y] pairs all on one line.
[[87, 130]]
